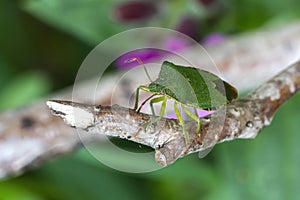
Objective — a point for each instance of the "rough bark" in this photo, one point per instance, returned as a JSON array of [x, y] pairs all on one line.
[[243, 118], [30, 135]]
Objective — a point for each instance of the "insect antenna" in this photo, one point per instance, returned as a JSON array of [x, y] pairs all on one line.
[[141, 63]]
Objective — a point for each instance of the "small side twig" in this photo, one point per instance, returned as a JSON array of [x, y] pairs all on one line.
[[243, 118]]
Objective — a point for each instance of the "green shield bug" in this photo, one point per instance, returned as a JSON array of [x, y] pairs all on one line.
[[187, 87]]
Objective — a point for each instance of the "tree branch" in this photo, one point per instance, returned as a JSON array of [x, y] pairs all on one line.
[[242, 118], [30, 135]]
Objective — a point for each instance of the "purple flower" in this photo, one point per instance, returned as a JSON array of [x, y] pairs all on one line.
[[176, 44], [171, 115], [213, 39], [132, 11], [203, 113], [207, 2], [190, 25], [146, 55], [200, 113]]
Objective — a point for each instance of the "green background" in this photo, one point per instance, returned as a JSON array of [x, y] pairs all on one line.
[[41, 40]]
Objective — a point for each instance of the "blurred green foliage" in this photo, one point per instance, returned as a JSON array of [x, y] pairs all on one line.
[[45, 39]]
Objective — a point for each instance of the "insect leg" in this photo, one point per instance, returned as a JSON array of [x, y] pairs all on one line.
[[195, 111], [156, 100], [162, 109], [137, 97], [178, 114], [193, 116], [145, 88]]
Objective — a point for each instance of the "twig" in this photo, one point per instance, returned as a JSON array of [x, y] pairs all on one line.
[[30, 135], [243, 118]]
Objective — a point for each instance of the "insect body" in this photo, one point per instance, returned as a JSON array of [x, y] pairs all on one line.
[[188, 87]]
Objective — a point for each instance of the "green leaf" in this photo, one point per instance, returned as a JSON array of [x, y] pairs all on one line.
[[240, 15], [88, 20], [70, 178], [15, 191], [5, 73], [266, 167], [23, 89]]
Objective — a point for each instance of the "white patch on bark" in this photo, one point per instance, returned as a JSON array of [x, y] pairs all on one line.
[[73, 116], [268, 90], [235, 112]]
